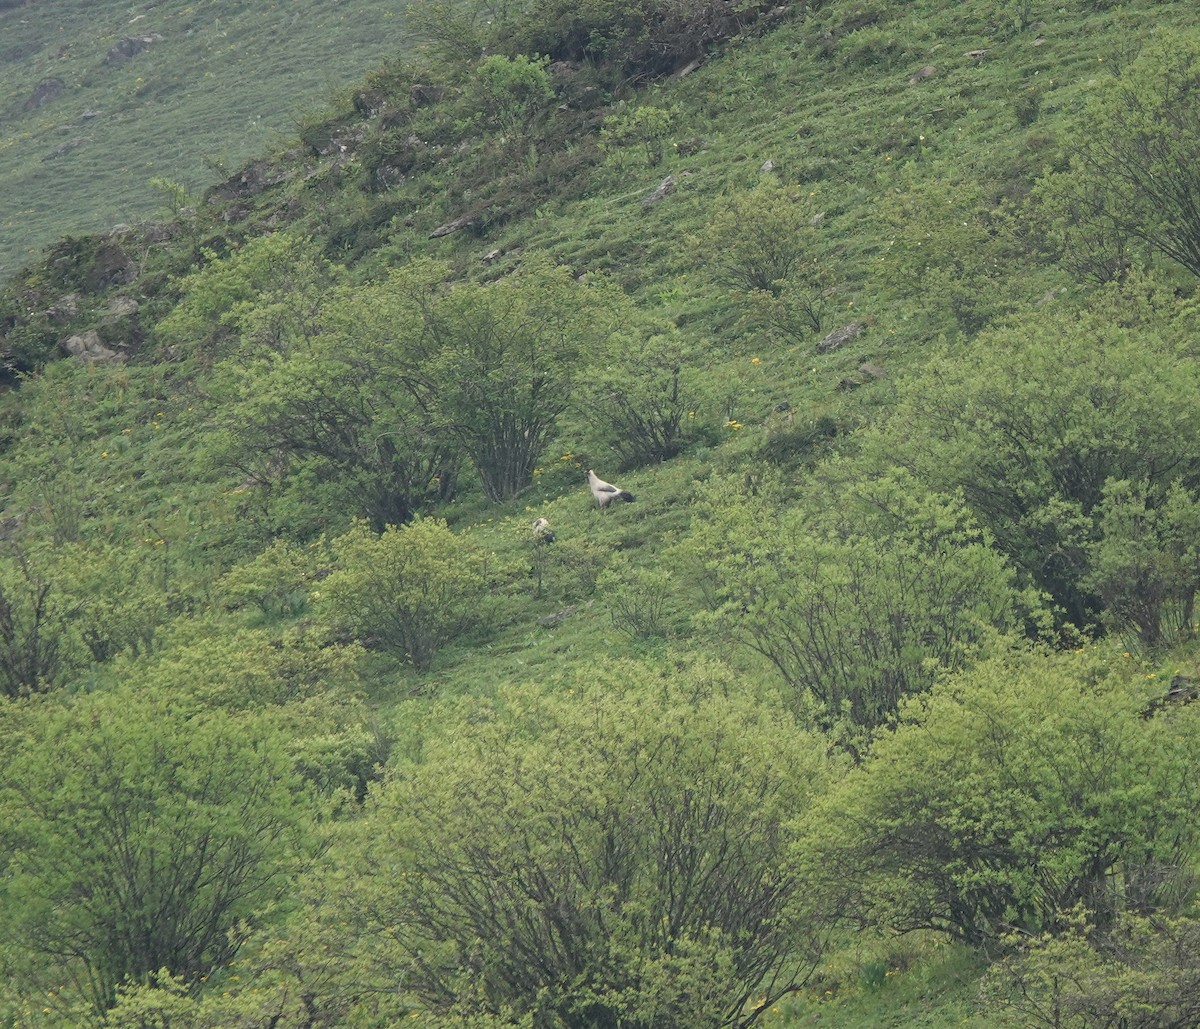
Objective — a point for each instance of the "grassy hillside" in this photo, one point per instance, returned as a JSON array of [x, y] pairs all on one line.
[[868, 710], [175, 91]]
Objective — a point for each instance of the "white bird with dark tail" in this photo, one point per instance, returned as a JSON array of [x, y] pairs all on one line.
[[542, 533], [605, 492]]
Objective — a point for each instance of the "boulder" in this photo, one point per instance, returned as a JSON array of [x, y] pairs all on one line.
[[840, 337], [88, 347], [45, 91], [64, 308], [452, 226], [65, 148], [123, 307], [370, 103], [921, 74], [665, 189], [250, 181], [424, 95], [131, 46]]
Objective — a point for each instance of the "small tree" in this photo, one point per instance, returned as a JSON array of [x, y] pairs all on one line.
[[647, 126], [857, 615], [1013, 792], [1047, 411], [1143, 973], [1145, 567], [409, 590], [639, 399], [513, 89], [503, 362], [766, 245], [37, 646], [346, 405]]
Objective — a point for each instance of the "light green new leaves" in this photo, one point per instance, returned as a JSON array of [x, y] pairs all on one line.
[[139, 833], [411, 589], [1007, 796], [602, 857], [861, 605]]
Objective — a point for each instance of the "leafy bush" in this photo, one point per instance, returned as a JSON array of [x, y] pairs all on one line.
[[503, 362], [635, 38], [344, 405], [765, 245], [513, 89], [1042, 416], [1140, 974], [637, 599], [1135, 162], [641, 399], [410, 590], [276, 581], [37, 647], [138, 834], [857, 613], [1145, 567], [609, 859], [1007, 796]]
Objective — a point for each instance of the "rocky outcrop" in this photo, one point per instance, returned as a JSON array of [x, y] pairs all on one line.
[[87, 346], [45, 91], [424, 95], [452, 226], [250, 181], [131, 46], [840, 337], [665, 189], [65, 148]]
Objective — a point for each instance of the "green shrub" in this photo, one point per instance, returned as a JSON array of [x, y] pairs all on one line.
[[1044, 413], [607, 859], [1007, 796], [409, 590], [138, 834], [637, 599], [766, 245], [1135, 160], [854, 609]]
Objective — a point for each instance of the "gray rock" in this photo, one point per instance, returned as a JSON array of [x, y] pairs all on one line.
[[840, 337], [123, 307], [45, 91], [88, 347], [64, 308], [665, 189], [423, 95], [65, 148], [922, 73], [131, 46], [452, 226]]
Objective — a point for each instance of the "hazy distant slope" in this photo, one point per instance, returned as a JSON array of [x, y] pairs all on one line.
[[224, 80]]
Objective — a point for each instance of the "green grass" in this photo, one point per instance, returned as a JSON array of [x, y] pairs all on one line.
[[907, 984], [228, 82]]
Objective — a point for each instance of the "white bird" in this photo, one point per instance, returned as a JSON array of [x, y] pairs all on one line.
[[605, 492], [542, 533]]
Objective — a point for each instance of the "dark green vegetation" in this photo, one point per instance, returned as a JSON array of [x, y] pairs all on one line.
[[871, 709]]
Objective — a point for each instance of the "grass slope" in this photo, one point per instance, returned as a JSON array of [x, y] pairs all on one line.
[[226, 81], [835, 102]]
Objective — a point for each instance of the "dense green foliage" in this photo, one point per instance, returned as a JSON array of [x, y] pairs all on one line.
[[600, 858], [879, 690]]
